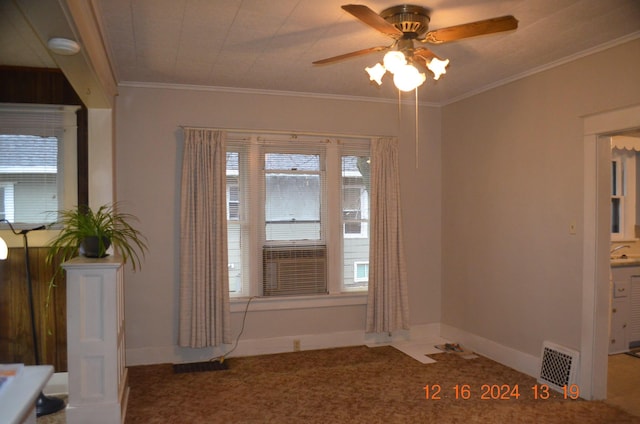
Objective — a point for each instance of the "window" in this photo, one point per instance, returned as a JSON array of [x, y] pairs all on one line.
[[617, 194], [355, 220], [286, 199], [360, 272], [234, 225], [623, 194], [37, 144], [293, 197]]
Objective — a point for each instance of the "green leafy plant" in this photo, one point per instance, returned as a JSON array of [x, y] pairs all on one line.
[[107, 226]]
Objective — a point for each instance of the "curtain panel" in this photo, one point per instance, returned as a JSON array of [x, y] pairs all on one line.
[[204, 282], [388, 301]]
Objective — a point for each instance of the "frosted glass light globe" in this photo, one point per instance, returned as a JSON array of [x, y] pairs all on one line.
[[408, 78], [438, 67], [376, 73], [394, 60]]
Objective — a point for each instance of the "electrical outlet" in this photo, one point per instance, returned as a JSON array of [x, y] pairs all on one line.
[[296, 345]]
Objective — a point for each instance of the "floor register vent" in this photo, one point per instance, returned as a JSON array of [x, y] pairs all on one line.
[[558, 366]]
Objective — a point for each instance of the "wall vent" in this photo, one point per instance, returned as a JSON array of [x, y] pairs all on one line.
[[558, 366], [294, 270]]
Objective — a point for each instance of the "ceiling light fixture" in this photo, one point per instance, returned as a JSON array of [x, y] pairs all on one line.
[[406, 76], [63, 46]]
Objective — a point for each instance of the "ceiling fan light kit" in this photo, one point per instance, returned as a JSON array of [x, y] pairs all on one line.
[[408, 24]]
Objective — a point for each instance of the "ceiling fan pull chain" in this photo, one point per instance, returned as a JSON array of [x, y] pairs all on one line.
[[416, 127]]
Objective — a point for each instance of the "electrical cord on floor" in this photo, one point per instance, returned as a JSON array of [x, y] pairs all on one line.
[[244, 318]]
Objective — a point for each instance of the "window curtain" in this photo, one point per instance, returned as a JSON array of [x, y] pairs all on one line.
[[204, 282], [388, 302]]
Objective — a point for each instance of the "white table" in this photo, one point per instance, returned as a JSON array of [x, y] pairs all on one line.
[[18, 401]]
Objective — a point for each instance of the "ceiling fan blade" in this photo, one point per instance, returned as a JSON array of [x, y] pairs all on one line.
[[472, 29], [350, 55], [372, 19], [423, 56]]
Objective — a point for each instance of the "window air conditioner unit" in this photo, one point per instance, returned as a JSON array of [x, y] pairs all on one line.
[[294, 270]]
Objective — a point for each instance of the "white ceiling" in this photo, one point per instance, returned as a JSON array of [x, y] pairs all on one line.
[[269, 45]]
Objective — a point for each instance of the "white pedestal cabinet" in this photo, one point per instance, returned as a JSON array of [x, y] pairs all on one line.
[[98, 389]]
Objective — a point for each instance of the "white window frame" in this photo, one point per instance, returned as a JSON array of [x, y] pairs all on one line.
[[626, 183], [255, 145], [318, 149], [66, 134], [9, 206]]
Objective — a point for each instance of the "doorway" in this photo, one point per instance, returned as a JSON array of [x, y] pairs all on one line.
[[596, 245]]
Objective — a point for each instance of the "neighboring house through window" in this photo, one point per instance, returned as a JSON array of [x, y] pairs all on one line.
[[37, 143]]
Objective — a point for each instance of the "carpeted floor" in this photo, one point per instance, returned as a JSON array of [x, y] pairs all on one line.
[[353, 385]]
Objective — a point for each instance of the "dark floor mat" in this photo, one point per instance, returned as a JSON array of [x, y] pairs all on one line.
[[200, 366]]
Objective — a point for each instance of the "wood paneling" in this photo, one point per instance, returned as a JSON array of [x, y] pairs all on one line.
[[16, 341]]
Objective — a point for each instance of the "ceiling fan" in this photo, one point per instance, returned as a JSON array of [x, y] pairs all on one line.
[[408, 25]]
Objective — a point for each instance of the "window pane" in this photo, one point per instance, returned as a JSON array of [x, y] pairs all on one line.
[[37, 162], [355, 221], [291, 162], [614, 177], [234, 227], [292, 197], [352, 209], [234, 258], [3, 213], [615, 215], [29, 178]]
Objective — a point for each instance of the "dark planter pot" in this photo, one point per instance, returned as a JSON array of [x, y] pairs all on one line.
[[90, 247]]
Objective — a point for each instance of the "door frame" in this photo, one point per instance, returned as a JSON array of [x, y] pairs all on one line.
[[596, 245]]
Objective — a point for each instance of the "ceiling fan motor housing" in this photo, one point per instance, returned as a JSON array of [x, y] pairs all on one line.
[[412, 20]]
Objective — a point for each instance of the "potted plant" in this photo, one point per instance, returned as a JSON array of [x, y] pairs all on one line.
[[90, 233]]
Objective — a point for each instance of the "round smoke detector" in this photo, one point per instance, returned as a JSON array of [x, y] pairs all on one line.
[[63, 46]]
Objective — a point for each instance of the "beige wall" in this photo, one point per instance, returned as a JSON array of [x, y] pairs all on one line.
[[147, 173], [513, 164]]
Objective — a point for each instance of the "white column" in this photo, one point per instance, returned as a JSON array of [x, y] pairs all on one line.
[[98, 389]]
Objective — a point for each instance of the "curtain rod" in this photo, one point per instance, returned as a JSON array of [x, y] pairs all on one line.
[[297, 133]]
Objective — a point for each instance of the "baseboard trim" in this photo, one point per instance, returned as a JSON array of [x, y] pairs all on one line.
[[520, 361], [176, 354], [523, 362], [57, 385]]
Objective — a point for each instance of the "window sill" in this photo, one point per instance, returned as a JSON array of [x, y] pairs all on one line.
[[239, 304]]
